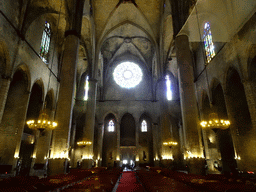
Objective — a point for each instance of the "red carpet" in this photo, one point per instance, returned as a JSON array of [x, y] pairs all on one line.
[[128, 182]]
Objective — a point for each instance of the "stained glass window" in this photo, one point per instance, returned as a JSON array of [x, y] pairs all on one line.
[[168, 88], [127, 74], [45, 43], [111, 126], [144, 127], [208, 44], [86, 88]]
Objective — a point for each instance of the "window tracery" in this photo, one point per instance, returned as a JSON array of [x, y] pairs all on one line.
[[127, 74], [208, 43], [144, 127], [168, 88], [111, 126], [45, 43], [86, 88]]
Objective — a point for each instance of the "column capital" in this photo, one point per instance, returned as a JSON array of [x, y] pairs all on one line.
[[93, 80], [245, 81], [183, 33], [72, 32], [7, 77]]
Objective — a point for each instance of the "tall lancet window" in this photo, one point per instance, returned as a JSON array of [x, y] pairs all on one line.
[[144, 126], [208, 44], [168, 88], [45, 43], [111, 126], [86, 88]]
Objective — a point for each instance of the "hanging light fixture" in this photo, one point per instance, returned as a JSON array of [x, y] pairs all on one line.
[[170, 144], [215, 123], [84, 143], [42, 122]]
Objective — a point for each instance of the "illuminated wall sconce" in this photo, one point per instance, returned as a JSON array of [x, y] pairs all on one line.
[[191, 155], [16, 156], [237, 157], [167, 157], [87, 157]]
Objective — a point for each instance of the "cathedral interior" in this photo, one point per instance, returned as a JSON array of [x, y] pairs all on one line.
[[105, 83]]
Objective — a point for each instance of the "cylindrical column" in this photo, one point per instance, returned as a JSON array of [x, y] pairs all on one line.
[[61, 136], [188, 102], [118, 154], [5, 84], [89, 124], [243, 144], [41, 149], [72, 145], [155, 144], [100, 143], [250, 92]]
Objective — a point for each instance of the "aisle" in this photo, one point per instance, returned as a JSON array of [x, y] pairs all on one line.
[[128, 182]]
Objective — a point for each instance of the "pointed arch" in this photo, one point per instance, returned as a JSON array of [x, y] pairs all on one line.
[[5, 66]]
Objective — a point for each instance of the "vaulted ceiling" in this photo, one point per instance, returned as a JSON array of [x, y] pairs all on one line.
[[114, 28]]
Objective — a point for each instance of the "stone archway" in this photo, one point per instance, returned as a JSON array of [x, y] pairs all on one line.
[[241, 122], [42, 149], [127, 130], [13, 121], [28, 146], [145, 140], [211, 147], [109, 149], [224, 138]]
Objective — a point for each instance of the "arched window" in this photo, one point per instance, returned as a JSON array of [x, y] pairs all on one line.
[[168, 88], [45, 43], [208, 44], [111, 126], [144, 127], [86, 88]]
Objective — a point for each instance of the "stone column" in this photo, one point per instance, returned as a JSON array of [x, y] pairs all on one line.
[[100, 143], [5, 84], [61, 136], [155, 144], [89, 124], [250, 138], [244, 145], [42, 146], [72, 146], [118, 156], [189, 110], [138, 148], [250, 92], [11, 131]]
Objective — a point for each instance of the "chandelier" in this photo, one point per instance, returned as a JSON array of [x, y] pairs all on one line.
[[170, 144], [42, 122], [84, 143], [215, 123]]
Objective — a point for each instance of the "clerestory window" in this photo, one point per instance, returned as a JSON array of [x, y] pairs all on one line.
[[86, 88], [208, 43], [168, 88], [45, 43]]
